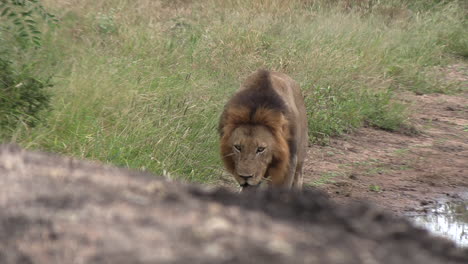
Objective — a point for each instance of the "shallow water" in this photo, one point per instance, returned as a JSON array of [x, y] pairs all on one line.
[[448, 220]]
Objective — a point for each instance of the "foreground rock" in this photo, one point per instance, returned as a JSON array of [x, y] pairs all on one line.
[[60, 210]]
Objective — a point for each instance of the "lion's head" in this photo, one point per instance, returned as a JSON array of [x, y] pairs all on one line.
[[252, 153], [254, 147]]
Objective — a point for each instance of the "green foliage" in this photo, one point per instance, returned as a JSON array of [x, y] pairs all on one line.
[[22, 96], [20, 19], [457, 40], [21, 99], [382, 112], [333, 111], [375, 188], [141, 84], [105, 22], [326, 178]]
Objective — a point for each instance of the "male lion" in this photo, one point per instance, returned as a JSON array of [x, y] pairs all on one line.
[[263, 131]]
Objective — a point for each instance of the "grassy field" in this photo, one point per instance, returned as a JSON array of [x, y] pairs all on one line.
[[141, 84]]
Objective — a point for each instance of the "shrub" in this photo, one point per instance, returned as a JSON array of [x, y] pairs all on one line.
[[21, 98], [20, 19]]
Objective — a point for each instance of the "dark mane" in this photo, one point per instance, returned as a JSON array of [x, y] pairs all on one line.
[[259, 93]]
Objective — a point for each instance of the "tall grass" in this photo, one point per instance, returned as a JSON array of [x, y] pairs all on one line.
[[141, 84]]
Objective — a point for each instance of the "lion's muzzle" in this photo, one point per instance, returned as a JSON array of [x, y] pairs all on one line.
[[248, 187], [246, 178]]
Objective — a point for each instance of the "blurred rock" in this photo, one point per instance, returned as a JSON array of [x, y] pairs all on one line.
[[61, 210]]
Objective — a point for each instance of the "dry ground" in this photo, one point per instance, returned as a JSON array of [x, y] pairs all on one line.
[[400, 171]]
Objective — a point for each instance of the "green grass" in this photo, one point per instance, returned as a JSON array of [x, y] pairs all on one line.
[[325, 178], [141, 84], [375, 188]]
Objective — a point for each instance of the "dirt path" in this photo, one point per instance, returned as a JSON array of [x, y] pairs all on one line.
[[399, 172]]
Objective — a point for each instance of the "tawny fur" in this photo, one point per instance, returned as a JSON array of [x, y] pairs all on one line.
[[274, 101]]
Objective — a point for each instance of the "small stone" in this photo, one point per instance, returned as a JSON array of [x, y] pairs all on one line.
[[424, 202], [449, 108], [281, 246], [217, 224]]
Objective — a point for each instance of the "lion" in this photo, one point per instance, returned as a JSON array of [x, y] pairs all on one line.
[[263, 132]]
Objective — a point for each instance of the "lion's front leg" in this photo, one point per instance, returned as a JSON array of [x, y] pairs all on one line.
[[298, 178], [289, 178]]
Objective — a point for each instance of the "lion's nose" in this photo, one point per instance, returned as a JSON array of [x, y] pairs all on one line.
[[246, 177]]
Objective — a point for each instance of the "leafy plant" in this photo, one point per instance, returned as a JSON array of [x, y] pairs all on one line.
[[106, 23], [21, 98], [375, 188], [20, 19]]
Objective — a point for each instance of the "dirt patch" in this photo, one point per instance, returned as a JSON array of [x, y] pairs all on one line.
[[61, 210], [396, 171]]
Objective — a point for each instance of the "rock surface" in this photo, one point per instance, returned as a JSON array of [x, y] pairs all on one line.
[[61, 210]]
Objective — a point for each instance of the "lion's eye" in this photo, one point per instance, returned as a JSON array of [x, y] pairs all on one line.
[[238, 147], [260, 149]]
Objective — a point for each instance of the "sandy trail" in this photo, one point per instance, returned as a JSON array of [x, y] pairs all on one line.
[[396, 171]]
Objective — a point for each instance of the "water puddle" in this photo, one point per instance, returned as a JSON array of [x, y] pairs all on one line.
[[449, 220]]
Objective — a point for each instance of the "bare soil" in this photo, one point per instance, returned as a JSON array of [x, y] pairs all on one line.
[[402, 172]]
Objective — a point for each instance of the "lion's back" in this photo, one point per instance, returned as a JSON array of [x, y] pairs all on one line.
[[291, 92]]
